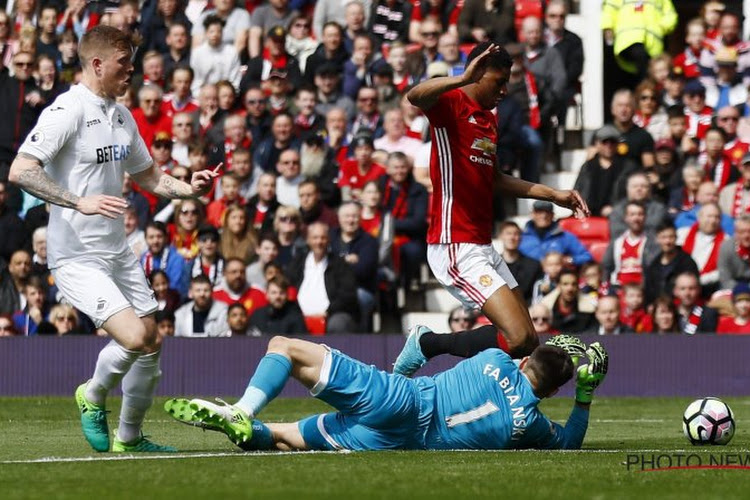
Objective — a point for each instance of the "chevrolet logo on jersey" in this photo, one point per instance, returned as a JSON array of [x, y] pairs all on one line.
[[486, 146], [115, 152]]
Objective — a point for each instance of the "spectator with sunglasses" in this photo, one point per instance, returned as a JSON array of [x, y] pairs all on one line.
[[542, 319]]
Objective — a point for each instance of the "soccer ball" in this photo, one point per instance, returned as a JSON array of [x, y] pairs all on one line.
[[708, 421]]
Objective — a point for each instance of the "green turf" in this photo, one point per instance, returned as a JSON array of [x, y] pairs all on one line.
[[48, 427]]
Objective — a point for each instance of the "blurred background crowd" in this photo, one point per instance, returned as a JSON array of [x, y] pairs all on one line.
[[318, 221]]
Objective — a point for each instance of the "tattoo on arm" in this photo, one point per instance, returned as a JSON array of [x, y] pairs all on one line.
[[36, 181], [169, 187]]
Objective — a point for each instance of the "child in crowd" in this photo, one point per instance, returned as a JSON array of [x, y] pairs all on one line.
[[632, 310], [552, 265]]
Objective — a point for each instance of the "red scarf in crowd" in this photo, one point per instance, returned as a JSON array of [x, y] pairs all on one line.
[[399, 207], [737, 207], [535, 116], [742, 252], [229, 148], [694, 320], [713, 258]]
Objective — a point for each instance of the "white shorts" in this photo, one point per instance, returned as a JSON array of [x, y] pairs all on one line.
[[100, 288], [470, 272]]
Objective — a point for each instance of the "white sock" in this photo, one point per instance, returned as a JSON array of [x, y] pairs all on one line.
[[113, 363], [138, 388]]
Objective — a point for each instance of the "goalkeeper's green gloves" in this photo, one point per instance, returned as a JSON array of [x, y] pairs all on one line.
[[570, 344], [590, 375]]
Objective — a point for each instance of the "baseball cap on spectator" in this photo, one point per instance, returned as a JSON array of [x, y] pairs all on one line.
[[327, 69], [277, 73], [665, 143], [438, 68], [694, 87], [607, 132], [543, 206], [277, 34], [363, 139], [208, 232], [741, 291], [726, 56], [163, 139]]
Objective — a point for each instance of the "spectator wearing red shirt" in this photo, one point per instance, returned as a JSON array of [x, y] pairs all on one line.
[[697, 115], [739, 324], [148, 116], [230, 187], [235, 289], [356, 172], [687, 60], [180, 100]]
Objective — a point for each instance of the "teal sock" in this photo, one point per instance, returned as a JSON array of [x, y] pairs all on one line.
[[269, 379], [261, 440]]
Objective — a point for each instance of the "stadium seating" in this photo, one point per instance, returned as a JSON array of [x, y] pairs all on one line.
[[597, 249], [589, 230]]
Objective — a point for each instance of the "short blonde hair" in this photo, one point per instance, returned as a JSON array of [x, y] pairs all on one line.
[[101, 41]]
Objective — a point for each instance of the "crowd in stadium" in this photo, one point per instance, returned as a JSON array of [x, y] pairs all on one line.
[[321, 209]]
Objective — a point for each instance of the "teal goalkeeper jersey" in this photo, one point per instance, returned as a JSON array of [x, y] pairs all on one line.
[[485, 402]]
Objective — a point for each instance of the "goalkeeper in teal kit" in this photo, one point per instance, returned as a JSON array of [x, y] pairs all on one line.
[[488, 401]]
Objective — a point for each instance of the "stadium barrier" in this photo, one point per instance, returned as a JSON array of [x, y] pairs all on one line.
[[640, 365]]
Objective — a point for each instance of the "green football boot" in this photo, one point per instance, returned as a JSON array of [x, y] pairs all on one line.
[[226, 418], [93, 421], [183, 411], [140, 445]]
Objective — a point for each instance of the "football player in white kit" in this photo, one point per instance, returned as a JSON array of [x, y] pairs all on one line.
[[75, 158]]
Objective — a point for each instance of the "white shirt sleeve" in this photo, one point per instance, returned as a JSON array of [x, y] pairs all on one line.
[[57, 124]]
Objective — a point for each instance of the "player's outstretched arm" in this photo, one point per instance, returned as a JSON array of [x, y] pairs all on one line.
[[426, 94], [154, 180], [27, 172], [520, 188]]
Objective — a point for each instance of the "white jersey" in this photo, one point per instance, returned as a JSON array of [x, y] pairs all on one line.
[[86, 143]]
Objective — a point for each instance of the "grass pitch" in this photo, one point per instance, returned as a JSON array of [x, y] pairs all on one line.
[[43, 455]]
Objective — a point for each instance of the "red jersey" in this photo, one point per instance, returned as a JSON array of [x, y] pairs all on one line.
[[728, 326], [698, 123], [352, 177], [735, 150], [171, 107], [687, 62], [251, 299], [149, 128], [462, 170]]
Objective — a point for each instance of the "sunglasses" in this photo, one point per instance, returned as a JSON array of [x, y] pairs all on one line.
[[255, 101], [189, 212], [23, 64], [540, 319], [729, 119], [431, 33], [64, 318], [287, 218], [457, 320], [648, 98]]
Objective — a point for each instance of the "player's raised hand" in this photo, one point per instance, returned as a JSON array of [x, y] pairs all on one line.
[[202, 181], [574, 346], [476, 69], [572, 199], [101, 204]]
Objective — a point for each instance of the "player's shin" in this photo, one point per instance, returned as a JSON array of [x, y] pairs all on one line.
[[113, 363], [464, 344], [269, 379], [138, 388]]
